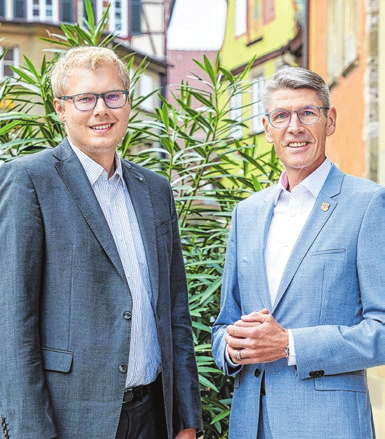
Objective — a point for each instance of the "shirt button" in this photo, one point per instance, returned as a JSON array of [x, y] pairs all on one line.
[[122, 368], [127, 315]]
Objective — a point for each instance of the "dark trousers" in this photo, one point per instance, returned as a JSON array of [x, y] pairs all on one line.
[[144, 419]]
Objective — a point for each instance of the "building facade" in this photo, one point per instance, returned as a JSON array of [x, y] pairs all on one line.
[[140, 29], [271, 33]]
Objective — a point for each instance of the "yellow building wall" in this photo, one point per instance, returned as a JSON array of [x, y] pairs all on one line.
[[259, 41], [237, 51]]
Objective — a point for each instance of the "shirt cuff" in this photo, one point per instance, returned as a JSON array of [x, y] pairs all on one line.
[[228, 359], [291, 361]]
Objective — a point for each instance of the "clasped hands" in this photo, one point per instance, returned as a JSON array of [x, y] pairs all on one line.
[[256, 338]]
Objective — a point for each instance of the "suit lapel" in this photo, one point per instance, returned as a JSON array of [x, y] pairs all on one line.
[[253, 229], [74, 177], [265, 219], [141, 200], [322, 210]]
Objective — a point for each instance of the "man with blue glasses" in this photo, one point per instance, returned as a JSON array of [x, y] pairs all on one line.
[[95, 324], [303, 300]]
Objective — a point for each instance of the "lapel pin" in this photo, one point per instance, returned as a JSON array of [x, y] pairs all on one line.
[[325, 206]]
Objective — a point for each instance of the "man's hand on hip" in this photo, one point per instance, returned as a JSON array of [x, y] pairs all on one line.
[[256, 338]]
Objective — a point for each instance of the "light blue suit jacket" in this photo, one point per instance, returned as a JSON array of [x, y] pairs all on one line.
[[332, 295], [64, 297]]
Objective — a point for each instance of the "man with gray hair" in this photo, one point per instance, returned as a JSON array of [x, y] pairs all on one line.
[[303, 298], [95, 325]]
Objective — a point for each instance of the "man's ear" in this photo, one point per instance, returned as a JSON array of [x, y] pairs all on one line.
[[59, 108], [331, 121], [266, 126]]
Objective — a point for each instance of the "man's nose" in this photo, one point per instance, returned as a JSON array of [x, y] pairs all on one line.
[[100, 105], [295, 124]]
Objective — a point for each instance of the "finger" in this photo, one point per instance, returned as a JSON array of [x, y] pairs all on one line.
[[262, 311], [234, 342], [247, 323], [255, 317]]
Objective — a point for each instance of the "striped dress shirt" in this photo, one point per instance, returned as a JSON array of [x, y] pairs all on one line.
[[114, 199]]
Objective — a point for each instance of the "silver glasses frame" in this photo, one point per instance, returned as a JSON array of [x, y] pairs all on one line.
[[268, 115], [97, 96]]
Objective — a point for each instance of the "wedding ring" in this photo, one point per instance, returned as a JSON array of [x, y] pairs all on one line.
[[238, 355]]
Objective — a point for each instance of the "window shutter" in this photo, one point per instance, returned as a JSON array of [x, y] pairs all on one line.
[[19, 9], [135, 17], [67, 11]]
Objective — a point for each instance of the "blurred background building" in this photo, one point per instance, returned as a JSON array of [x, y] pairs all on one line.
[[140, 27]]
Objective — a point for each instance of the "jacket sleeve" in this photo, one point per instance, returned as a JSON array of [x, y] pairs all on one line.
[[186, 383], [230, 310], [335, 349], [24, 400]]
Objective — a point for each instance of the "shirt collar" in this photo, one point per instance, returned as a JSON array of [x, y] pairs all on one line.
[[313, 183], [92, 169]]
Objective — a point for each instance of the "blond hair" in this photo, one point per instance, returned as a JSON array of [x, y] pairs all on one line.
[[89, 57]]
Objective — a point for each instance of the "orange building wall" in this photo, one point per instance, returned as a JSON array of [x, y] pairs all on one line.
[[346, 148]]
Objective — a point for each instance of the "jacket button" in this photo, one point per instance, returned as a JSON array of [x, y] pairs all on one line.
[[127, 315], [317, 374], [257, 372], [122, 368]]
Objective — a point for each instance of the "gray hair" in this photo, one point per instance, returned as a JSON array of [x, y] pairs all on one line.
[[294, 78], [89, 57]]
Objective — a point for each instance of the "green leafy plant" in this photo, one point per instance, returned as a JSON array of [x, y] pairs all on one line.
[[193, 146], [210, 171]]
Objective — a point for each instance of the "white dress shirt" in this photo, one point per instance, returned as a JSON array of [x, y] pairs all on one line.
[[291, 211], [114, 199]]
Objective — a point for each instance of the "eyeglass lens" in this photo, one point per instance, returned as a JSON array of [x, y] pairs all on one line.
[[307, 115], [87, 101]]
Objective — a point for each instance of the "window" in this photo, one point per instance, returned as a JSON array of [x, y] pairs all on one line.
[[19, 9], [118, 18], [342, 37], [236, 114], [240, 17], [135, 17], [257, 106], [2, 8], [146, 86], [268, 11], [11, 58], [66, 11], [43, 10]]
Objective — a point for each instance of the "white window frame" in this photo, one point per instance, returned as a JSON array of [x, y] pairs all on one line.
[[14, 62], [257, 105], [146, 86], [240, 14], [42, 9], [113, 23]]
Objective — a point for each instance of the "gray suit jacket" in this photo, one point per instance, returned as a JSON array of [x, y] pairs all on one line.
[[332, 296], [63, 295]]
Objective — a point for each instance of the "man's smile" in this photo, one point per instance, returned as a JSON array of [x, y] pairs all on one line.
[[296, 144], [102, 127]]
